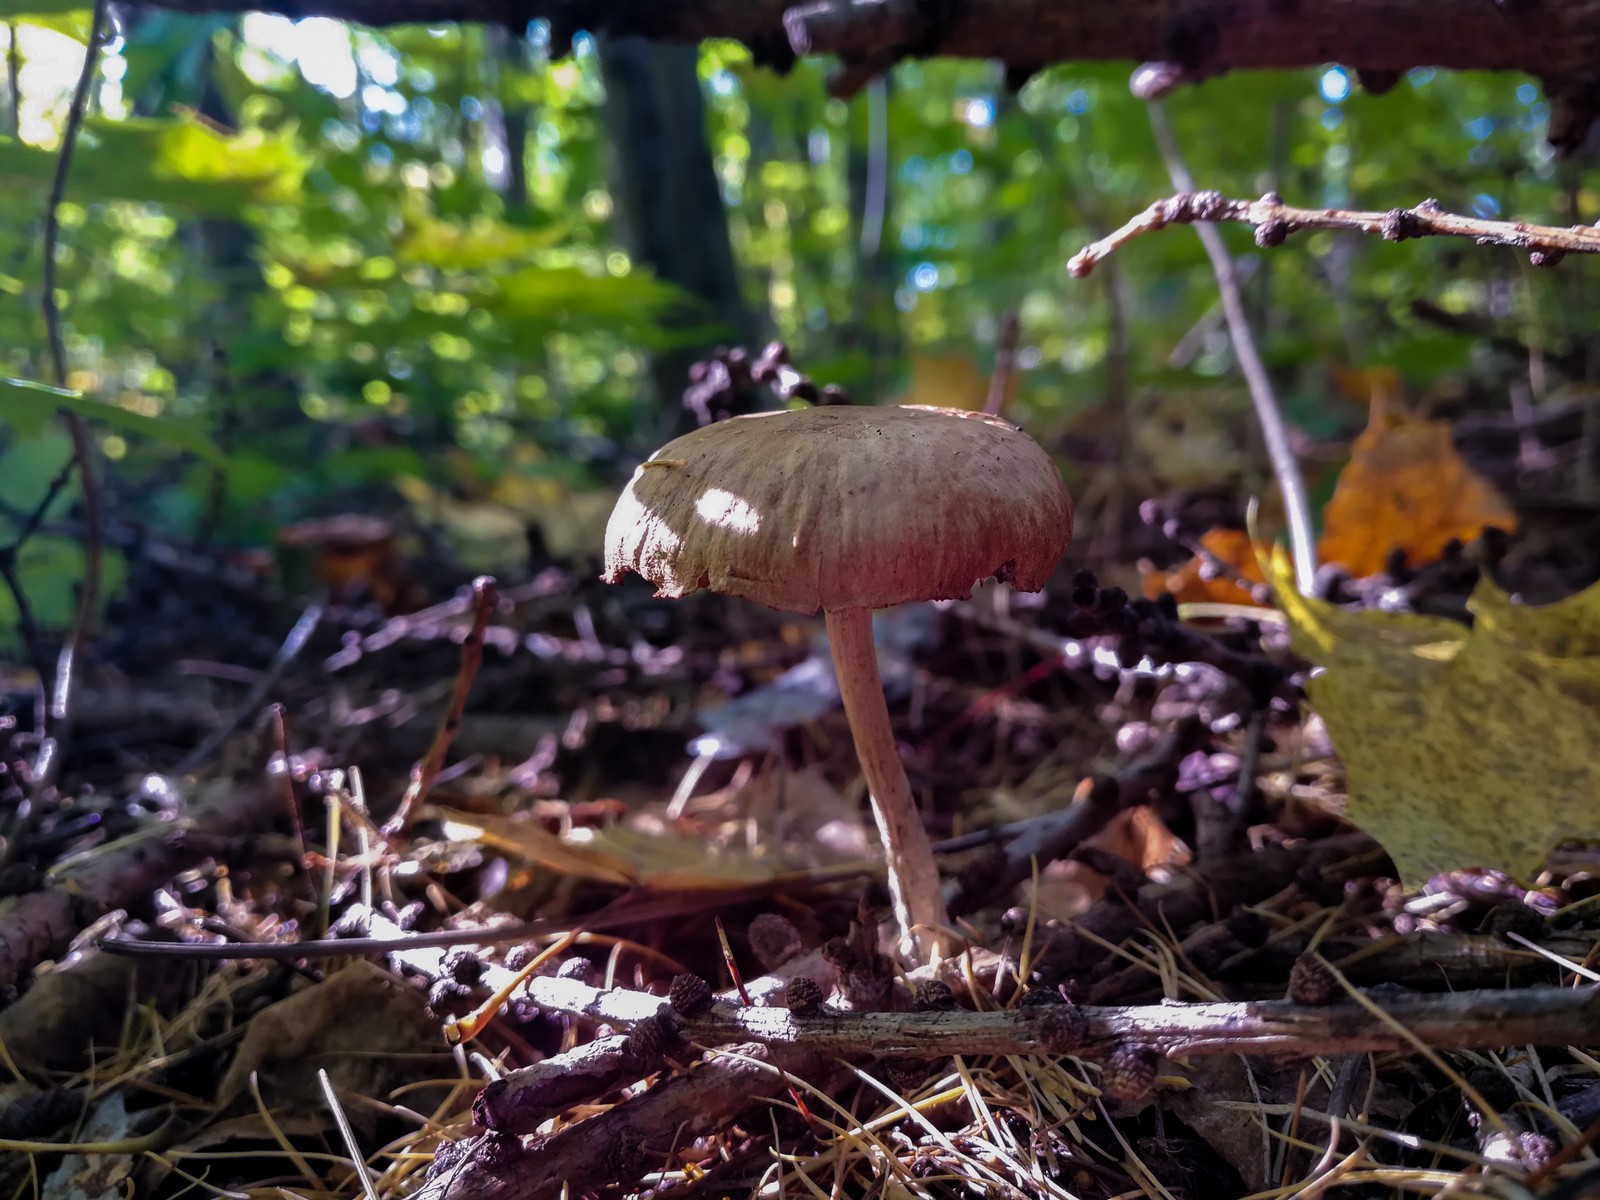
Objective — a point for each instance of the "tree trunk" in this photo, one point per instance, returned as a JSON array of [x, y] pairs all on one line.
[[668, 200]]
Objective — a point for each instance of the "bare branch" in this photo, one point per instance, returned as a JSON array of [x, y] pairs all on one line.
[[1274, 221]]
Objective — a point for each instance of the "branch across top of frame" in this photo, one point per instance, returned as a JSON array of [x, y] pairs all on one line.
[[1177, 41]]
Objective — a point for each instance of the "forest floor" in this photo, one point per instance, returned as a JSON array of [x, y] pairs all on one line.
[[624, 932]]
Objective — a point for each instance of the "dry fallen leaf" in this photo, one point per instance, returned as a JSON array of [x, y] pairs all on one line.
[[1230, 547], [1463, 747], [620, 854], [1406, 488], [369, 1030]]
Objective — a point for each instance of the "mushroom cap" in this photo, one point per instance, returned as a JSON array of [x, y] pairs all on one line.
[[843, 507]]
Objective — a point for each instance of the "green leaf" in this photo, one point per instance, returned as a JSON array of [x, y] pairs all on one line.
[[28, 405], [69, 17], [184, 162], [50, 570], [24, 10], [26, 470], [556, 293], [473, 245]]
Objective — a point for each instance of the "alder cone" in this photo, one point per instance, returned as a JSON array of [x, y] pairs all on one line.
[[1129, 1074], [843, 507], [1311, 983]]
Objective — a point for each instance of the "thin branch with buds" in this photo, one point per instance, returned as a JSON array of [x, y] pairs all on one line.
[[1274, 221]]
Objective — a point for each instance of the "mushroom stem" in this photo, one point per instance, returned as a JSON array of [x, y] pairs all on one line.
[[913, 873]]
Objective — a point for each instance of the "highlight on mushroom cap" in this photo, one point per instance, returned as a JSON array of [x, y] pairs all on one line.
[[843, 507]]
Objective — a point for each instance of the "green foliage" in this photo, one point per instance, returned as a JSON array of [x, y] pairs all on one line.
[[49, 565], [182, 163], [359, 257], [28, 405]]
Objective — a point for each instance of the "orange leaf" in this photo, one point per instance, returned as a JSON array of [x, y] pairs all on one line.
[[1189, 583], [1406, 488], [1376, 387]]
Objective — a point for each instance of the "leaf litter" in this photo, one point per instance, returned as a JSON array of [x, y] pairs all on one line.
[[1197, 848]]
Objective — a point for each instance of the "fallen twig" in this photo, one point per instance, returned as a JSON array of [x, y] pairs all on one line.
[[624, 1142], [1273, 1028]]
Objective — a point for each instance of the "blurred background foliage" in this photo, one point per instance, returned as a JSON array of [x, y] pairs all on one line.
[[424, 270]]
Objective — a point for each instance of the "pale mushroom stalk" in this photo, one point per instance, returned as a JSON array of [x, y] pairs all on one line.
[[913, 872]]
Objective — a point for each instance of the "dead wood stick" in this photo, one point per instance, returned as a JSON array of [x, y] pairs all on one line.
[[629, 1139], [1271, 1028], [621, 1144]]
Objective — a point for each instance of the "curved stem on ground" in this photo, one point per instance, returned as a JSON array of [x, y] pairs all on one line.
[[913, 871]]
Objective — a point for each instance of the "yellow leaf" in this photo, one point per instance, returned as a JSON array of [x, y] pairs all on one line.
[[949, 381], [1406, 488], [1463, 747]]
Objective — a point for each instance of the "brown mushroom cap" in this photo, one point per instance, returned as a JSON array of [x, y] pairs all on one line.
[[843, 507]]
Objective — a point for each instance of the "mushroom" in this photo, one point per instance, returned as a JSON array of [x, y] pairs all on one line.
[[848, 509]]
